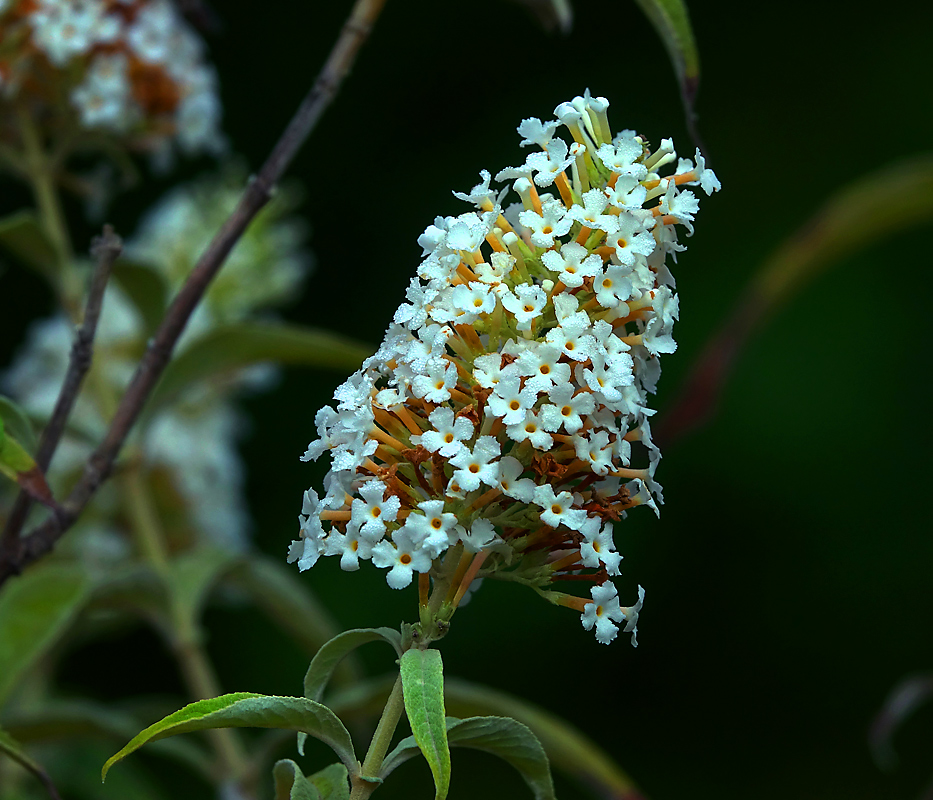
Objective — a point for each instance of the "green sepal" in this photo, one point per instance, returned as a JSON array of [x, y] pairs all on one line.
[[250, 710], [423, 688], [504, 737], [17, 424], [231, 347], [35, 611], [333, 652], [22, 235]]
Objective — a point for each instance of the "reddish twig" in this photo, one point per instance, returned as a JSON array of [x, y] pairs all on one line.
[[105, 250], [259, 191]]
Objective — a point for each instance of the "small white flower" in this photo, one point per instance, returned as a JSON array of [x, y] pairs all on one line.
[[553, 221], [402, 557], [374, 510], [604, 612], [526, 304], [533, 429], [474, 468], [449, 435], [573, 262], [557, 509], [436, 385]]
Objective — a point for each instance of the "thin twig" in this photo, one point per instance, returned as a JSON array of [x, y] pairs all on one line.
[[259, 191], [105, 250]]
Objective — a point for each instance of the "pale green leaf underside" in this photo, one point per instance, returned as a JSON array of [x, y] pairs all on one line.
[[423, 688], [291, 784], [330, 655], [567, 748], [248, 710], [332, 782], [333, 652], [506, 738]]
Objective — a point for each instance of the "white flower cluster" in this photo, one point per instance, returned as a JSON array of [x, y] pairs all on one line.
[[127, 66], [500, 412]]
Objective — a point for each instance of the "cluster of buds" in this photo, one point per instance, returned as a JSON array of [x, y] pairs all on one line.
[[131, 68], [497, 430]]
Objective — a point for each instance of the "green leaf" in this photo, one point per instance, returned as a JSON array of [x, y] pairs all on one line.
[[551, 14], [423, 687], [191, 576], [501, 736], [17, 424], [864, 212], [232, 347], [23, 236], [12, 749], [249, 710], [19, 466], [291, 784], [333, 652], [146, 289], [85, 720], [36, 608], [672, 22], [332, 782], [568, 749], [276, 589], [323, 664]]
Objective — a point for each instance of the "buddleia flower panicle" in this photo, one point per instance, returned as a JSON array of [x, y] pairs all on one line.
[[131, 70], [503, 425]]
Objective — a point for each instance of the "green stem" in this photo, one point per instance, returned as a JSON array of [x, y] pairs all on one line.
[[379, 745], [42, 179], [196, 668]]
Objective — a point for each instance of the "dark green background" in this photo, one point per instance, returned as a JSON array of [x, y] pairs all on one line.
[[788, 579]]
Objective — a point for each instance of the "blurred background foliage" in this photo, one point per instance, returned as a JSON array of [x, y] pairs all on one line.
[[789, 577]]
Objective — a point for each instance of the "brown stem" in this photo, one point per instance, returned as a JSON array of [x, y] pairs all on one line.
[[259, 191], [105, 249]]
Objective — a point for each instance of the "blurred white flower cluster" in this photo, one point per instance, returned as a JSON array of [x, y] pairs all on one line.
[[499, 419], [190, 446], [133, 68]]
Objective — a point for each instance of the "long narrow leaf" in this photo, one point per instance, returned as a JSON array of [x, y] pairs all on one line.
[[12, 749], [19, 466], [232, 347], [35, 610], [423, 687], [506, 738], [17, 424], [333, 652], [248, 710], [672, 22], [569, 750], [866, 211]]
